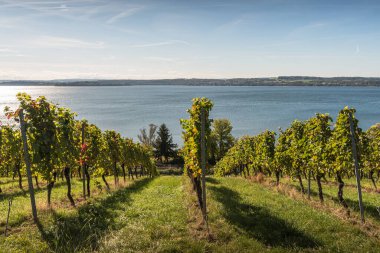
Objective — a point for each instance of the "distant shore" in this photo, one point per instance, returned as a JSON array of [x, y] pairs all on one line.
[[274, 81]]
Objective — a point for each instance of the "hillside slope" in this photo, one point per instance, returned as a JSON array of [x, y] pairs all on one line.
[[151, 215]]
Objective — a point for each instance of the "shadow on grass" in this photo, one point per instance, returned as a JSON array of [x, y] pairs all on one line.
[[369, 209], [25, 192], [259, 223], [82, 231], [13, 224], [171, 171], [8, 180], [212, 180]]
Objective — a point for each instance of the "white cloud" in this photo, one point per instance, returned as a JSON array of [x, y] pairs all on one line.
[[123, 15], [311, 27], [63, 7], [63, 42], [160, 59], [10, 22], [230, 25], [74, 10], [6, 50], [162, 43]]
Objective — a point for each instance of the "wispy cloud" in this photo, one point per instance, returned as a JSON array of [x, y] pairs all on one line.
[[6, 50], [162, 43], [122, 30], [73, 10], [123, 14], [12, 22], [316, 25], [230, 25], [35, 5], [160, 59], [63, 42], [357, 51], [301, 30], [77, 10]]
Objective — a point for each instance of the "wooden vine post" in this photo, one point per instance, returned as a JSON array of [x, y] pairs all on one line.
[[27, 164], [9, 212], [195, 136], [203, 164], [357, 172], [83, 165], [309, 184]]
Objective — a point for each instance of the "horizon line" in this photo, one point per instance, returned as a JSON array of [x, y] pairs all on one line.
[[180, 78]]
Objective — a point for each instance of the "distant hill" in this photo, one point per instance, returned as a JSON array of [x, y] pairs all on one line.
[[274, 81]]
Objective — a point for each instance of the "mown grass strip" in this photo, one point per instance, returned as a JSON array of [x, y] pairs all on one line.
[[154, 221], [152, 215], [249, 216], [62, 228]]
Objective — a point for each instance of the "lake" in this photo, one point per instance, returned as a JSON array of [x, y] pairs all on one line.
[[250, 109]]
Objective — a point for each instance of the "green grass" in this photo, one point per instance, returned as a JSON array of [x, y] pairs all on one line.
[[251, 216], [155, 220], [371, 198], [23, 234], [152, 215], [21, 209]]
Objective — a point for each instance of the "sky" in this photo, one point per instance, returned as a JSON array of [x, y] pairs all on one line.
[[105, 39]]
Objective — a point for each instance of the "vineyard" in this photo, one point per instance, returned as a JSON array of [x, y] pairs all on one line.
[[68, 186], [310, 150]]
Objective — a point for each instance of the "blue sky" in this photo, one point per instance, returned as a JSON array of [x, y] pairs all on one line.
[[186, 39]]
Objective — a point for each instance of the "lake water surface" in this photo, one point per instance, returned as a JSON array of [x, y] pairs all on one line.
[[250, 109]]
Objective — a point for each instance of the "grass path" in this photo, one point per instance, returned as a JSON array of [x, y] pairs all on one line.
[[151, 215], [155, 220]]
